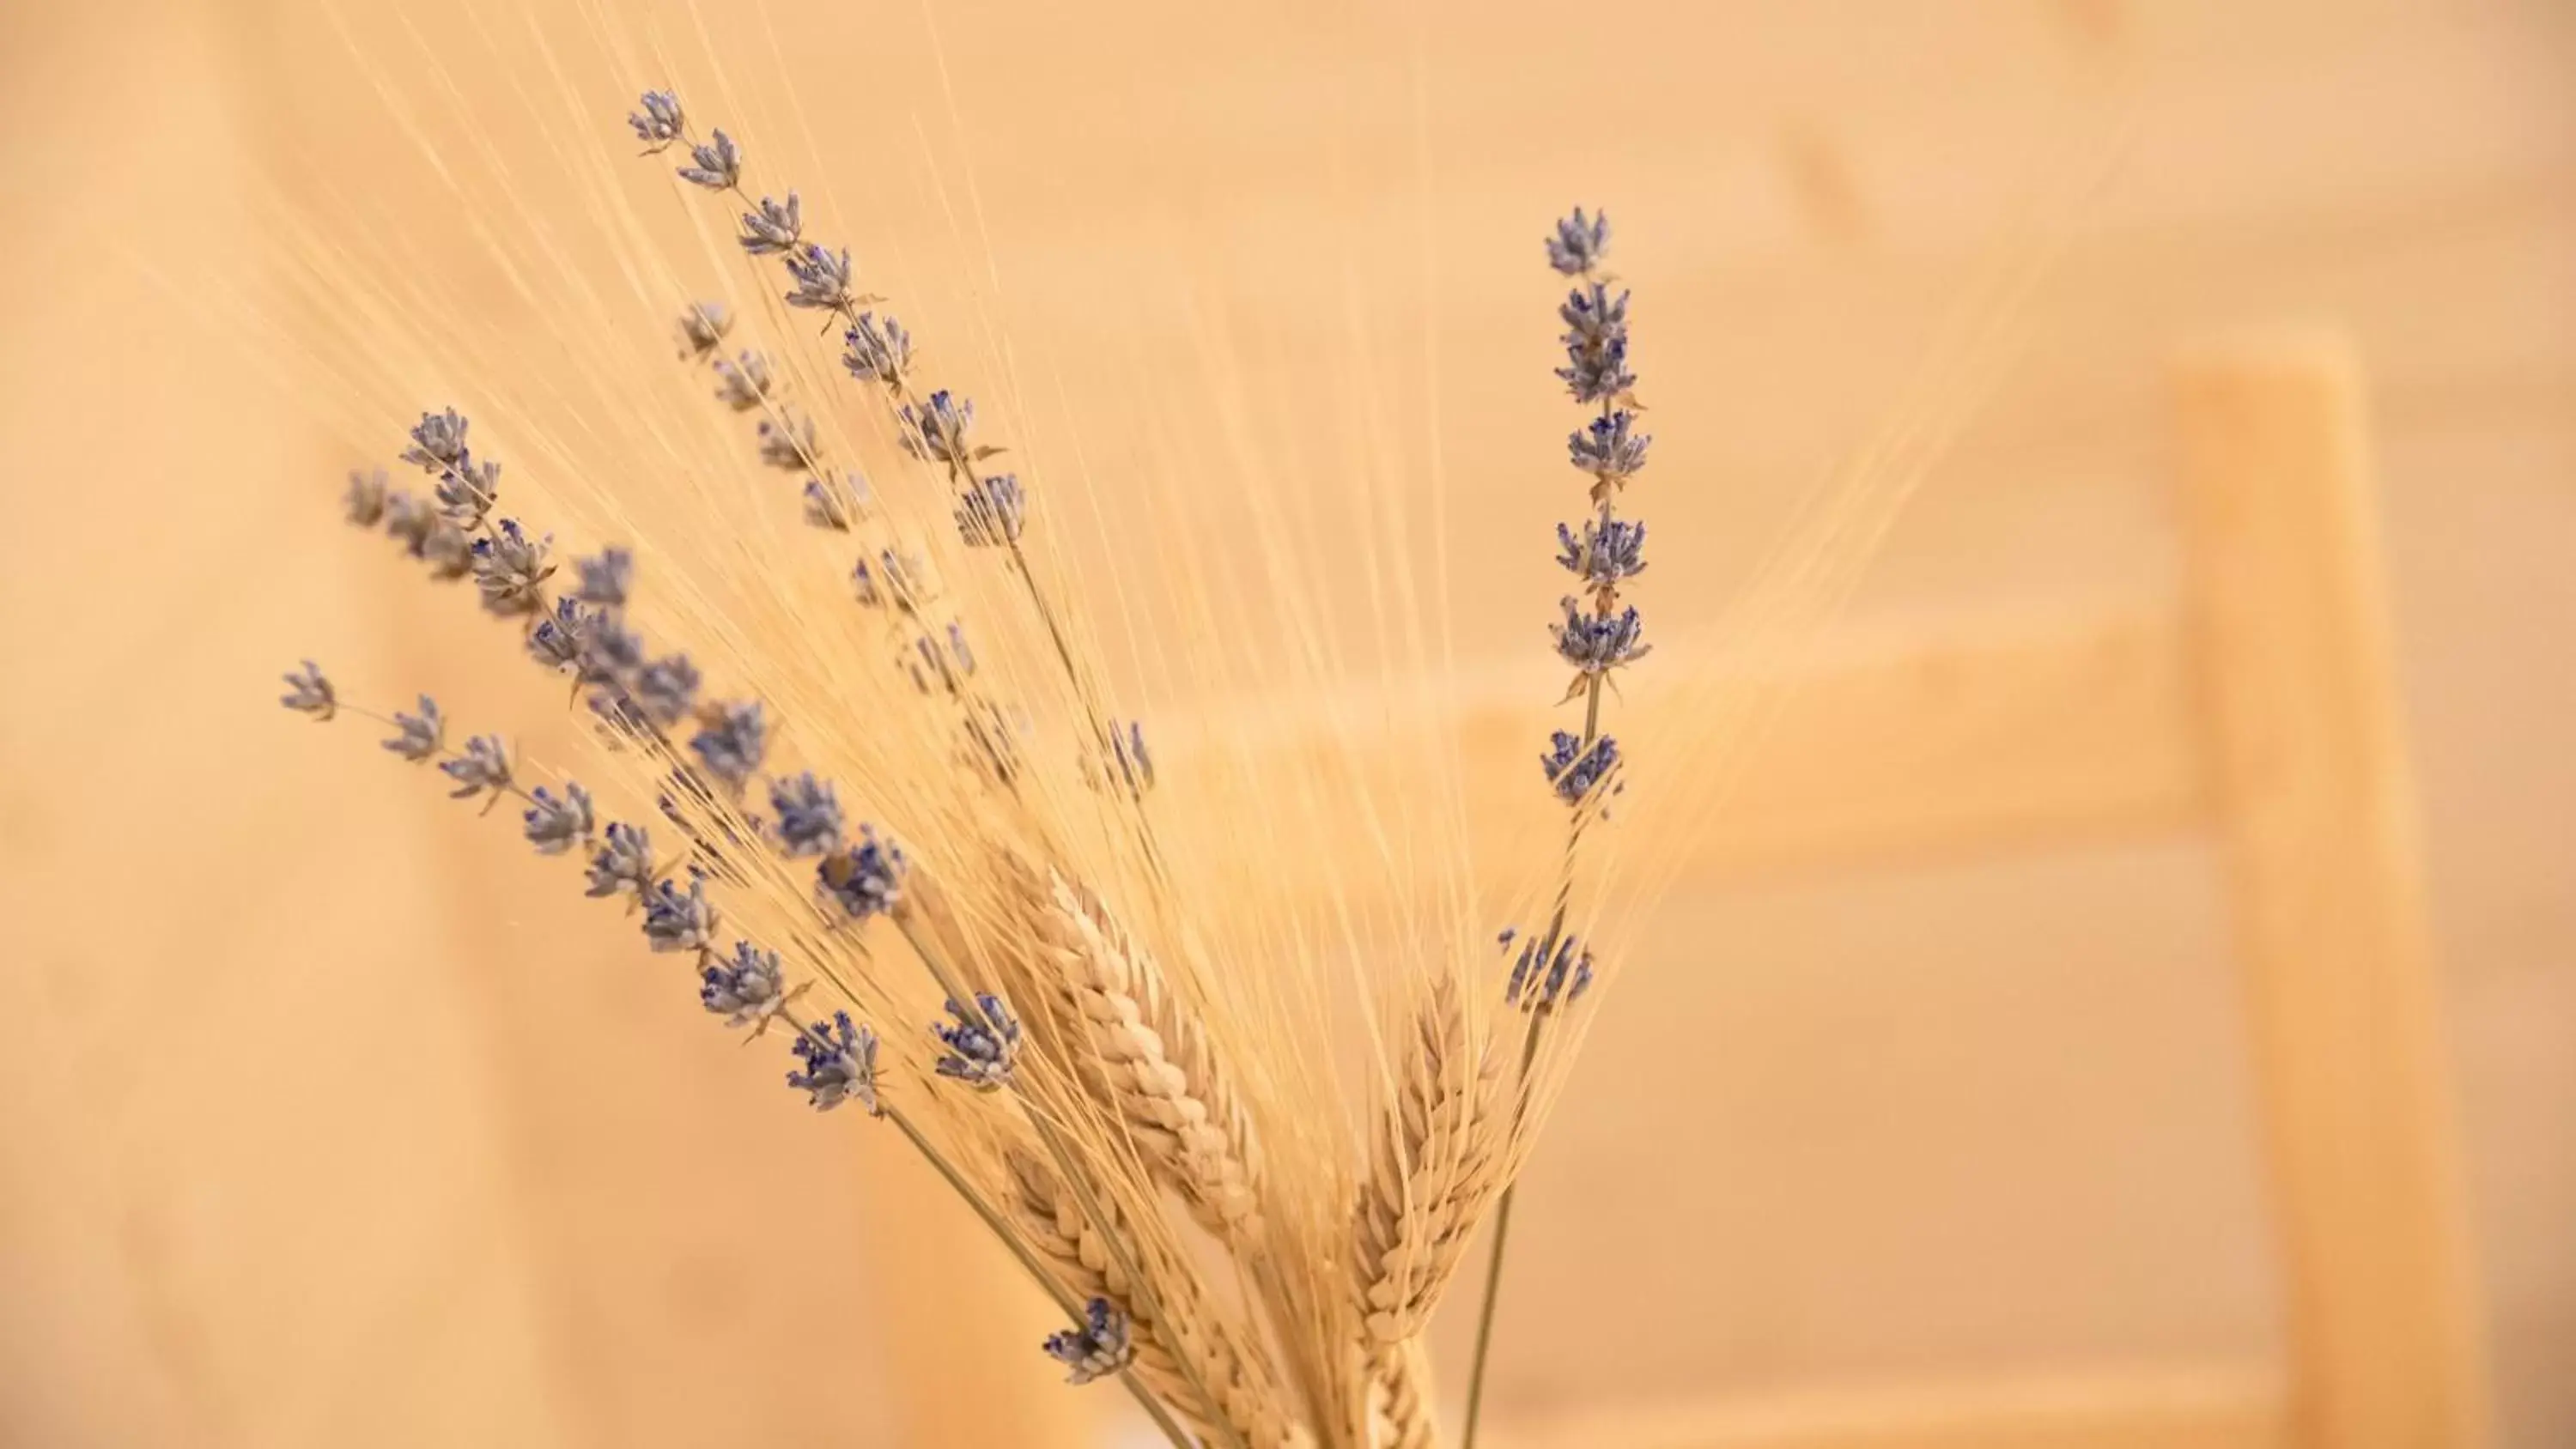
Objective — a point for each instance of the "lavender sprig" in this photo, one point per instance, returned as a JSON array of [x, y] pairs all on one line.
[[1599, 635]]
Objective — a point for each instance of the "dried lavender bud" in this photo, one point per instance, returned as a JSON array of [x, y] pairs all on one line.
[[957, 649], [364, 502], [466, 492], [449, 550], [774, 228], [309, 693], [840, 1065], [666, 689], [715, 163], [823, 506], [822, 278], [1596, 344], [485, 765], [510, 567], [660, 122], [610, 652], [731, 742], [865, 881], [937, 430], [879, 351], [1128, 757], [438, 442], [991, 511], [1544, 978], [744, 990], [556, 824], [1610, 551], [787, 442], [1579, 243], [420, 735], [1573, 771], [703, 328], [680, 921], [408, 521], [981, 1049], [809, 815], [624, 864], [895, 580], [1101, 1345], [606, 578], [1598, 643], [1608, 450], [741, 385]]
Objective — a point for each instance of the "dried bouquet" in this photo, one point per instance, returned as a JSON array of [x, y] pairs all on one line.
[[932, 873]]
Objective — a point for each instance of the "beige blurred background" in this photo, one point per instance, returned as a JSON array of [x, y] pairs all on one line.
[[329, 1121]]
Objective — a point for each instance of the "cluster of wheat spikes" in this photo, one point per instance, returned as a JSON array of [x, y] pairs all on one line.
[[1070, 1060]]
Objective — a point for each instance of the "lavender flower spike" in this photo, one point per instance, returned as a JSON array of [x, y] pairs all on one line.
[[775, 227], [822, 278], [1579, 241], [420, 734], [555, 824], [437, 442], [715, 164], [745, 990], [809, 815], [703, 328], [1101, 1345], [509, 567], [741, 385], [937, 429], [879, 351], [666, 689], [991, 511], [866, 880], [1609, 450], [1609, 553], [309, 693], [680, 921], [624, 865], [1595, 644], [1549, 973], [983, 1046], [840, 1065], [732, 742], [1573, 771], [659, 122], [485, 765], [606, 578], [364, 502]]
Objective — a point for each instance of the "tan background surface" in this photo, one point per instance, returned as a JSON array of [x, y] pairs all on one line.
[[330, 1121]]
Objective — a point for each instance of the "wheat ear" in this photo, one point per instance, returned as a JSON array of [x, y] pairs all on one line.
[[1156, 1061], [1057, 1230], [1435, 1166], [1404, 1411]]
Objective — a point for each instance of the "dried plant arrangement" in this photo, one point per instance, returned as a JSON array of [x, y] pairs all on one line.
[[876, 798]]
